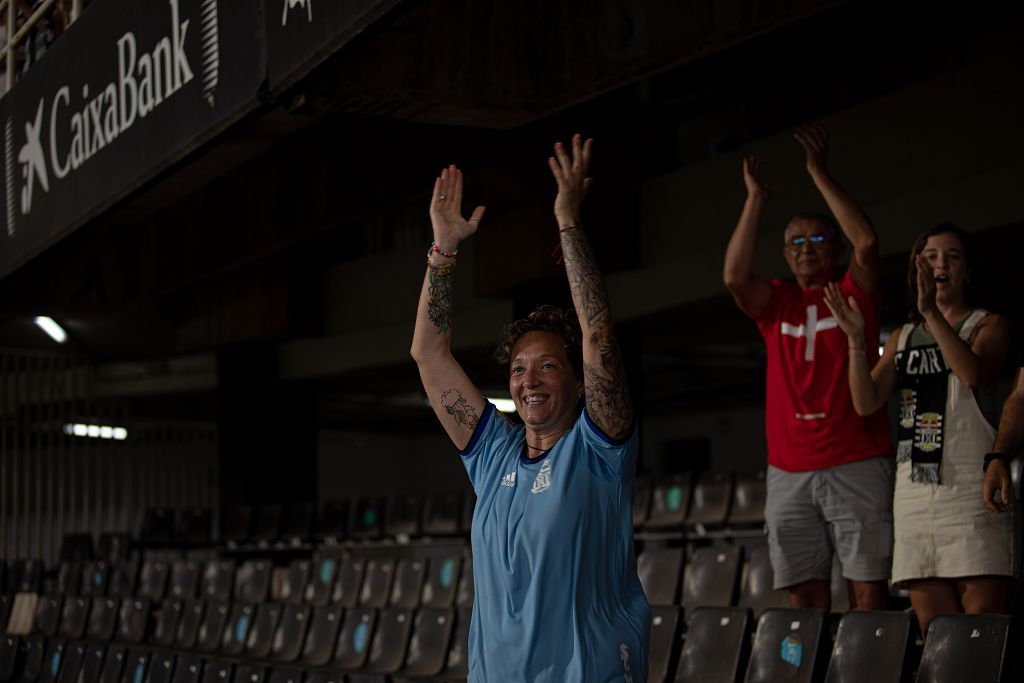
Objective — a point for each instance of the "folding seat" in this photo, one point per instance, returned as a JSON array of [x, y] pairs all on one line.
[[442, 581], [92, 664], [641, 501], [457, 666], [9, 647], [285, 676], [132, 620], [322, 635], [791, 645], [236, 630], [261, 633], [157, 526], [333, 525], [664, 633], [122, 579], [873, 646], [153, 580], [75, 655], [136, 662], [321, 584], [380, 573], [757, 592], [218, 580], [94, 578], [252, 582], [193, 526], [211, 629], [354, 638], [168, 616], [74, 618], [441, 517], [188, 626], [368, 519], [390, 641], [670, 500], [467, 587], [409, 573], [709, 505], [298, 525], [47, 616], [113, 547], [49, 669], [113, 665], [712, 577], [184, 579], [293, 588], [27, 576], [290, 634], [188, 669], [717, 645], [428, 646], [404, 519], [33, 659], [266, 526], [69, 578], [249, 672], [748, 500], [969, 647], [660, 571], [102, 619], [235, 524], [23, 612], [161, 668], [217, 672], [349, 583]]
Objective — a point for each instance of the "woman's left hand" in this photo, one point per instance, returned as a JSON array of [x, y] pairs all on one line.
[[925, 286], [997, 478], [571, 176]]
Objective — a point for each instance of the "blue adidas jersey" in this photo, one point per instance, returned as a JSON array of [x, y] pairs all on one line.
[[557, 593]]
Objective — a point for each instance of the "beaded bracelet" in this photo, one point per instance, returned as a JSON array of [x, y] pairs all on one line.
[[434, 249], [996, 455]]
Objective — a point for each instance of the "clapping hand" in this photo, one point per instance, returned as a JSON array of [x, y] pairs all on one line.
[[753, 171], [847, 314], [925, 286], [814, 139]]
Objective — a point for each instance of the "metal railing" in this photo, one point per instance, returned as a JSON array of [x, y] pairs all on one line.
[[7, 54]]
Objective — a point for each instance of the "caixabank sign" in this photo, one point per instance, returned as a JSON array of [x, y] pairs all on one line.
[[128, 90]]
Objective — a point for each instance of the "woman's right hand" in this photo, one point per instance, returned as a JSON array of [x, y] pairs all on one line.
[[450, 228], [753, 169], [847, 315]]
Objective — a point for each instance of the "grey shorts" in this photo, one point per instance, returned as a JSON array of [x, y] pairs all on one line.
[[846, 510]]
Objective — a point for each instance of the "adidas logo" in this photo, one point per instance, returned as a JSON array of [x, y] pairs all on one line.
[[509, 480]]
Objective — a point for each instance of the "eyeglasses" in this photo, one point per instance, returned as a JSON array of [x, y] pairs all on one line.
[[797, 243]]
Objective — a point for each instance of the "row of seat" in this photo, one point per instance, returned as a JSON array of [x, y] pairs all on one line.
[[712, 499]]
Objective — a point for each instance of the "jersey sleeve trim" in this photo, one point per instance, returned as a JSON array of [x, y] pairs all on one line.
[[480, 427], [604, 437]]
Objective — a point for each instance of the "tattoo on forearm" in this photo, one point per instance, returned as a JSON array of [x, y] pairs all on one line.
[[439, 297], [459, 408], [588, 290]]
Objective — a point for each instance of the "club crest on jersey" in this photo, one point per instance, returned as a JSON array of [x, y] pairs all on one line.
[[509, 480], [543, 481]]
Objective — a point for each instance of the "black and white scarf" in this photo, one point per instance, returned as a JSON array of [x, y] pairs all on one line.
[[923, 382]]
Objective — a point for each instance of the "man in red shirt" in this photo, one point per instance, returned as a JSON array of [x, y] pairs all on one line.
[[829, 470]]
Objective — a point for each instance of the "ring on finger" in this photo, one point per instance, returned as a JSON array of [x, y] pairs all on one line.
[[441, 196]]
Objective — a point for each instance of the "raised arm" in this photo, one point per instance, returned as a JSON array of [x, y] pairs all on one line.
[[854, 223], [604, 379], [750, 291], [457, 403]]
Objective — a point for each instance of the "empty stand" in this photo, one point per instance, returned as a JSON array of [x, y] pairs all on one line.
[[441, 517], [712, 577], [165, 627], [442, 581], [322, 635], [261, 634], [153, 580], [757, 592], [387, 652], [94, 579], [465, 593], [188, 669], [717, 645], [293, 588], [133, 620], [376, 589], [457, 665], [236, 630], [69, 578], [47, 615], [664, 631], [367, 522], [136, 662], [748, 499], [161, 668], [252, 582], [873, 646], [428, 646], [321, 584], [218, 580], [350, 581], [188, 627], [670, 501], [791, 645], [660, 571], [712, 496], [290, 634], [404, 519], [49, 667], [217, 672], [103, 619], [74, 658], [211, 628], [968, 647], [354, 638], [74, 618], [123, 575], [184, 579], [409, 575], [250, 672]]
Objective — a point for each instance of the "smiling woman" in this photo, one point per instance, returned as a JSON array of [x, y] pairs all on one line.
[[554, 496]]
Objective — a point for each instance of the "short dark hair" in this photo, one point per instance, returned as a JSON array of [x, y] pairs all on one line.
[[922, 239], [822, 218], [562, 322]]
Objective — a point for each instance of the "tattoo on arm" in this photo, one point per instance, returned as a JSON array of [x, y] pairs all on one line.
[[460, 410], [439, 297], [588, 290]]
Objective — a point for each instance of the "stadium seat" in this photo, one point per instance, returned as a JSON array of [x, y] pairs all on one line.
[[216, 671], [161, 668], [193, 526], [293, 588], [321, 584], [132, 621], [660, 570], [333, 525], [467, 587], [298, 525], [75, 655], [69, 578], [74, 618], [873, 646], [113, 664], [102, 619], [664, 632], [350, 581], [969, 647], [113, 548], [9, 648], [409, 573], [27, 576], [165, 628], [153, 580], [428, 646], [380, 573], [757, 592], [670, 500], [23, 612], [791, 645], [405, 514], [94, 579], [367, 522], [122, 579], [285, 676], [354, 638], [252, 583], [267, 523], [261, 633], [188, 626], [641, 501], [184, 579], [235, 524], [49, 666], [441, 518], [250, 672], [47, 617], [136, 662], [457, 666], [218, 580], [322, 635], [717, 645], [712, 577], [390, 640], [211, 628], [236, 630], [290, 633], [442, 581], [709, 505], [188, 669], [748, 500]]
